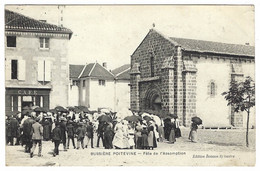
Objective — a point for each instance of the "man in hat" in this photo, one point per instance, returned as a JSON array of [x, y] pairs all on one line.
[[63, 129], [71, 133], [27, 133], [80, 133], [14, 126], [56, 138], [37, 136]]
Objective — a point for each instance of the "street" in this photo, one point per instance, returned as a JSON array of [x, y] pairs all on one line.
[[211, 144]]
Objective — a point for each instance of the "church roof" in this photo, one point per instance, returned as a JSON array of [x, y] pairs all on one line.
[[18, 22], [214, 47]]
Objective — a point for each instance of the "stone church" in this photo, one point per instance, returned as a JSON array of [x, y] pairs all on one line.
[[187, 77]]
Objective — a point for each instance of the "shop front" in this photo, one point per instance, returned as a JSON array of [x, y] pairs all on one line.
[[18, 98]]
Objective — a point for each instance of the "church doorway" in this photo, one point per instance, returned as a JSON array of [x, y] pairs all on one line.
[[153, 100]]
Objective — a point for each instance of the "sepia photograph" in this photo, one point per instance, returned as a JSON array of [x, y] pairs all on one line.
[[129, 85]]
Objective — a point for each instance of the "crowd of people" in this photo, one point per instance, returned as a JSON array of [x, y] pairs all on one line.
[[142, 132]]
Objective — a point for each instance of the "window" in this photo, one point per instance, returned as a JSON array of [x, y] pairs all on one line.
[[11, 41], [44, 43], [101, 82], [152, 66], [74, 82], [84, 83], [14, 70], [212, 89], [44, 70]]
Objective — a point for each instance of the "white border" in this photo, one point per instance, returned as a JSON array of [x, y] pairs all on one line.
[[2, 90]]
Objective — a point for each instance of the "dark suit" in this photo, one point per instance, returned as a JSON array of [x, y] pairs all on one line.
[[80, 136], [27, 134], [71, 134], [56, 138]]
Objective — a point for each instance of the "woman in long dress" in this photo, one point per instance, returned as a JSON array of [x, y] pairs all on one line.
[[193, 132], [151, 138], [131, 136], [177, 130], [144, 134], [172, 138], [120, 140], [138, 136]]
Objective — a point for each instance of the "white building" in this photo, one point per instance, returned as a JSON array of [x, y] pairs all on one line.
[[93, 86]]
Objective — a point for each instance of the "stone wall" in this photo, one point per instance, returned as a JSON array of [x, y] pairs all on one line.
[[28, 49]]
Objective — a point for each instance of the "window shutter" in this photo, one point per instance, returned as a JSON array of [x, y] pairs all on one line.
[[8, 69], [47, 71], [21, 69], [40, 70]]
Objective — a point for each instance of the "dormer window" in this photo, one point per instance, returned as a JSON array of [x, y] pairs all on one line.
[[44, 43]]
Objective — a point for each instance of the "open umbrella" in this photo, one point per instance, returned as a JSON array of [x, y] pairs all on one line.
[[133, 118], [52, 111], [26, 111], [26, 108], [104, 118], [40, 109], [60, 109], [70, 108], [13, 113], [196, 120]]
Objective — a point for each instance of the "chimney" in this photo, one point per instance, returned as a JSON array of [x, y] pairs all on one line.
[[104, 64]]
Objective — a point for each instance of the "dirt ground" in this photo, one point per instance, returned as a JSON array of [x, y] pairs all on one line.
[[211, 144]]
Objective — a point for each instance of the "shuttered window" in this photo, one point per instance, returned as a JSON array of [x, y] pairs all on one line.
[[14, 71], [44, 70], [8, 70], [21, 70]]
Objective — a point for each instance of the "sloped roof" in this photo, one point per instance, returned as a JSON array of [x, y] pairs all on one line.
[[125, 75], [16, 21], [214, 47], [121, 69], [87, 70], [97, 71], [122, 73], [75, 70]]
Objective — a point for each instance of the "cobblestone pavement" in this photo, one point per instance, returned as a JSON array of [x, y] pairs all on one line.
[[211, 142]]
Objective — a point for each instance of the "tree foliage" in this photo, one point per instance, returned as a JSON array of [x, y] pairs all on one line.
[[241, 95]]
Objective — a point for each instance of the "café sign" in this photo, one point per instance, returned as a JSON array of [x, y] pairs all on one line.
[[27, 92]]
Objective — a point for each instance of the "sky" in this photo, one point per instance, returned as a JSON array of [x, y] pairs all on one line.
[[107, 33]]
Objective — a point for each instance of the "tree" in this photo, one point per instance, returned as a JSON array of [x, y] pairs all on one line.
[[241, 96]]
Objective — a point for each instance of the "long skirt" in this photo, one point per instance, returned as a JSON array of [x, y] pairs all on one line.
[[194, 137], [161, 133], [150, 139], [177, 132], [172, 138], [144, 141]]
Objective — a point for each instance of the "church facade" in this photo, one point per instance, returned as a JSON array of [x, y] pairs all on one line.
[[187, 77]]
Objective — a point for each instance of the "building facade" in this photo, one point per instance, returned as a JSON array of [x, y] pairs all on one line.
[[122, 88], [187, 77], [36, 63], [93, 86]]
